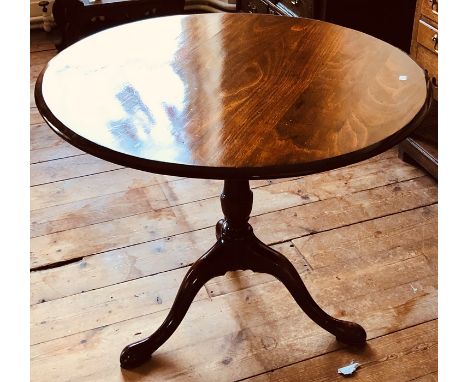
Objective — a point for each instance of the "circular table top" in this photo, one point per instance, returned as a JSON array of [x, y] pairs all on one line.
[[231, 96]]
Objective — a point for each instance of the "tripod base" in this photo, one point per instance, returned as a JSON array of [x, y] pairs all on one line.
[[237, 248]]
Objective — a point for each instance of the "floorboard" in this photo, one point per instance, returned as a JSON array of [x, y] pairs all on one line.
[[110, 246], [406, 355], [288, 193]]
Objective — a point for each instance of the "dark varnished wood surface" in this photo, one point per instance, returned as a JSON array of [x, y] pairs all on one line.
[[232, 95], [237, 248]]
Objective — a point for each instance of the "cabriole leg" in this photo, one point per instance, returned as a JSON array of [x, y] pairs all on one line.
[[237, 248]]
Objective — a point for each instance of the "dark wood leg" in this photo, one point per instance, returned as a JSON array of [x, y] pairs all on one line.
[[267, 260], [237, 248], [204, 269]]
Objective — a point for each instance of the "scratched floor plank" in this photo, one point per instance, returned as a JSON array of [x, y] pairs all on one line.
[[270, 225], [239, 334], [403, 356], [298, 191]]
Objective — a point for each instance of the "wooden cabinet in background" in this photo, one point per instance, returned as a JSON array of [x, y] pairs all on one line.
[[421, 147]]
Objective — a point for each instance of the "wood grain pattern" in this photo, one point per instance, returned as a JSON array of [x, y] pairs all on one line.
[[360, 206], [421, 147], [35, 117], [428, 61], [431, 377], [41, 137], [430, 9], [66, 245], [260, 339], [96, 185], [396, 238], [404, 356], [91, 186], [44, 144], [37, 61], [106, 306], [318, 97], [350, 249], [414, 33], [428, 36], [97, 210], [269, 195], [136, 200], [68, 168], [165, 254], [60, 151]]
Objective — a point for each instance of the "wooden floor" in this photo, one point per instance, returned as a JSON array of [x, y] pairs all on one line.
[[110, 246]]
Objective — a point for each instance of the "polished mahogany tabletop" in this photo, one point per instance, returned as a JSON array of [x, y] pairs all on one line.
[[232, 96]]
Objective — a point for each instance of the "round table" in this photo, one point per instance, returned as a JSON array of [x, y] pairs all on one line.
[[233, 97]]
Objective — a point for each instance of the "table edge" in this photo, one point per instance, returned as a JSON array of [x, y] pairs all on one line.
[[209, 172]]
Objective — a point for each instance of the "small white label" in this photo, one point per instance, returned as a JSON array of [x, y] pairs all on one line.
[[403, 78]]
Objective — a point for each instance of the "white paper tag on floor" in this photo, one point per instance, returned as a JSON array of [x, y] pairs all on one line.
[[348, 369]]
